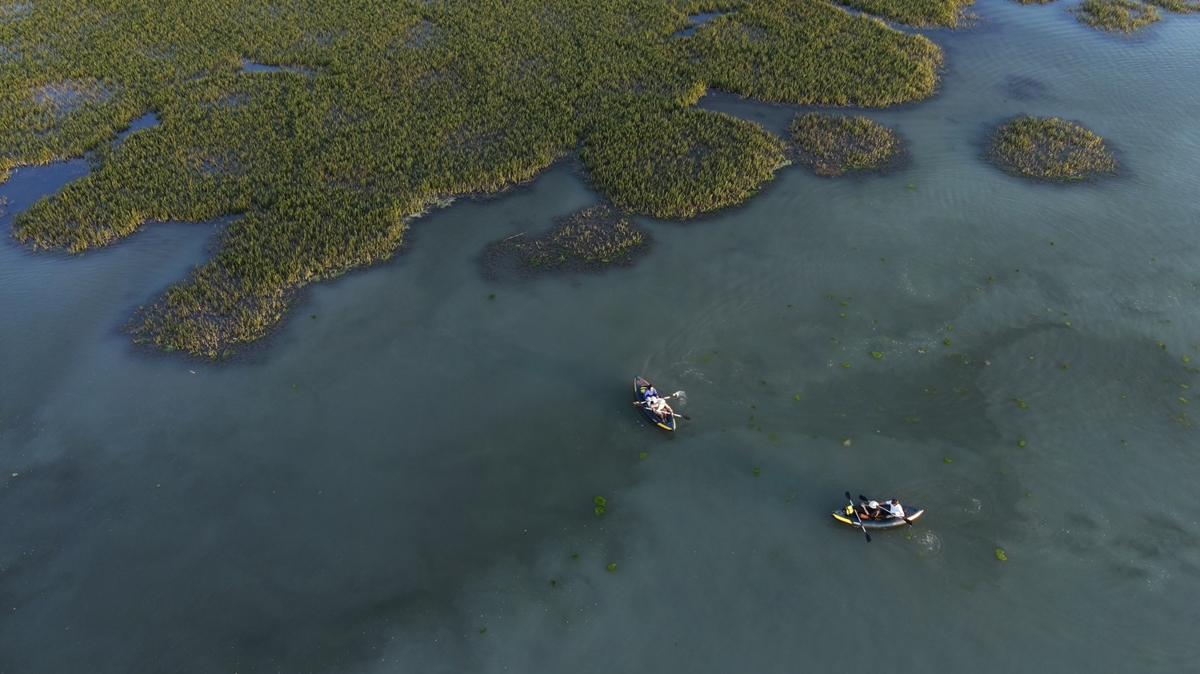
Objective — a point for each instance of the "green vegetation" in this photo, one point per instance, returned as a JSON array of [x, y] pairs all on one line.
[[680, 165], [921, 13], [588, 239], [1000, 555], [383, 109], [833, 144], [1049, 148], [1114, 15], [1177, 6], [812, 53]]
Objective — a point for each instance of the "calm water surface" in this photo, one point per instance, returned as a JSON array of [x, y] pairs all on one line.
[[402, 480]]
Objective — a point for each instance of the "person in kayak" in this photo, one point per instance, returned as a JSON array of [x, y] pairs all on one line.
[[649, 393], [872, 510], [659, 406], [895, 509]]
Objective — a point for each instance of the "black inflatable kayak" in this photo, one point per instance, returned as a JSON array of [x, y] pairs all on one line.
[[846, 516], [639, 390]]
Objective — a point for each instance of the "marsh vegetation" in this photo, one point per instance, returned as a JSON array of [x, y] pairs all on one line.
[[833, 144], [357, 116], [1048, 148], [590, 239], [920, 13], [1116, 15]]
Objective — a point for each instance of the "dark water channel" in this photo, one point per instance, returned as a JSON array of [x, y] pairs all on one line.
[[402, 480]]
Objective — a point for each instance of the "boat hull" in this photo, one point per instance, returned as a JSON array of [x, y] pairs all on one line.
[[885, 523]]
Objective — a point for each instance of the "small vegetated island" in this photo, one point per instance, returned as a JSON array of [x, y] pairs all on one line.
[[1128, 15], [589, 239], [832, 145], [1049, 149], [380, 109]]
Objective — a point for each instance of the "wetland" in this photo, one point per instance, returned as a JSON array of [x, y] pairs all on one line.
[[424, 468]]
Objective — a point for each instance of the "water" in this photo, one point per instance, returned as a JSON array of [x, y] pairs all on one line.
[[400, 483]]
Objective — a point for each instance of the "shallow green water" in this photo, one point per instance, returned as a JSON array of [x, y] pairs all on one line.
[[326, 504]]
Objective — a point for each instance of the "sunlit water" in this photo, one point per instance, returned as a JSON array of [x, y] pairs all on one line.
[[402, 480]]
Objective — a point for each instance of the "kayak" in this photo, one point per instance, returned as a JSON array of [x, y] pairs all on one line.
[[846, 516], [639, 389]]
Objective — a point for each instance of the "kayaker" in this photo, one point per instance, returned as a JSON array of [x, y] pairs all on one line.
[[657, 405], [872, 509], [650, 393], [660, 407], [895, 509]]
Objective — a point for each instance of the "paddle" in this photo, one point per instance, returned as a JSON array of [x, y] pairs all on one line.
[[854, 509], [864, 499]]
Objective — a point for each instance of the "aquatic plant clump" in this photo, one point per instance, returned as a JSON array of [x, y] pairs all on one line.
[[379, 109], [1116, 15], [919, 13], [681, 165], [833, 144], [812, 53], [591, 239], [1049, 149], [1177, 6]]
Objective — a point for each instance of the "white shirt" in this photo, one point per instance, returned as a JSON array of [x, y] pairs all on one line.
[[896, 510]]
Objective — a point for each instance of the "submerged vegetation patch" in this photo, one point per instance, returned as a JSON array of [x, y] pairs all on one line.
[[1048, 148], [833, 144], [372, 111], [591, 239]]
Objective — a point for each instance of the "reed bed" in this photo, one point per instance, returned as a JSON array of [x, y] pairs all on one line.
[[590, 239], [681, 165], [1049, 149], [812, 53], [833, 144], [919, 13], [1116, 15], [1176, 6], [382, 108]]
